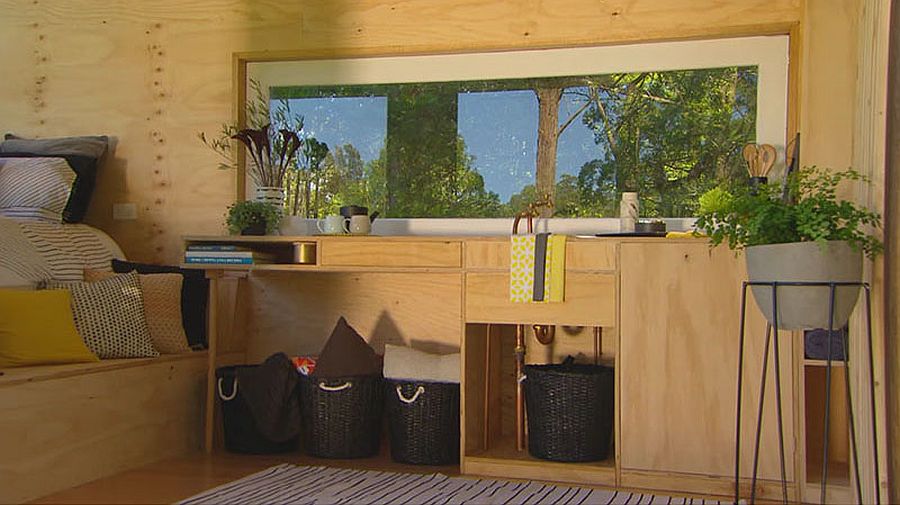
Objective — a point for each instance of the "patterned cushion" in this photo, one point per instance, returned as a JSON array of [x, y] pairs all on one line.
[[162, 304], [84, 155], [109, 315], [36, 188], [194, 294]]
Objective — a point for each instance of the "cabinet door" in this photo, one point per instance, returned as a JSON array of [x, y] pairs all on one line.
[[680, 316]]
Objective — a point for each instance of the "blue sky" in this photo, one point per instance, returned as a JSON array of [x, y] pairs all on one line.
[[499, 128]]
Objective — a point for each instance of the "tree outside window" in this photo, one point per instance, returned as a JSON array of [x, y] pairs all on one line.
[[470, 149]]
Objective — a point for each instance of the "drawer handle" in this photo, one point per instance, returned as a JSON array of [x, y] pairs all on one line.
[[332, 389], [225, 397], [415, 396]]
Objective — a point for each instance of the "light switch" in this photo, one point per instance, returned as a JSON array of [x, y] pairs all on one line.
[[124, 211]]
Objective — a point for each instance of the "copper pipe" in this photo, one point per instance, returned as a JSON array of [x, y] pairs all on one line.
[[544, 333], [520, 391], [598, 344], [487, 387]]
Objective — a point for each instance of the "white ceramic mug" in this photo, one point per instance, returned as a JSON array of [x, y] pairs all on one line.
[[331, 225], [360, 225]]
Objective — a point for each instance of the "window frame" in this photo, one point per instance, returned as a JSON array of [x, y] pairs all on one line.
[[770, 54]]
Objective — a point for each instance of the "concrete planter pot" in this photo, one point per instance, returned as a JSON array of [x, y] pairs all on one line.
[[805, 307]]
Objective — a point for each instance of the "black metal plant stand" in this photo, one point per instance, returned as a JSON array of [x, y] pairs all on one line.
[[769, 339]]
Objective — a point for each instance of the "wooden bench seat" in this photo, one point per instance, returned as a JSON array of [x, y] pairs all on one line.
[[23, 374], [64, 425]]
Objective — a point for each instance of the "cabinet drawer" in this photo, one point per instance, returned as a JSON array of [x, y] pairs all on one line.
[[590, 301], [380, 253], [589, 255]]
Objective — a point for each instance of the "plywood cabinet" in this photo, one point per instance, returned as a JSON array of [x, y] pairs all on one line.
[[680, 316], [665, 313]]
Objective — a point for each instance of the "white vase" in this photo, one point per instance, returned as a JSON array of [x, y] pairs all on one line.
[[270, 194], [805, 307]]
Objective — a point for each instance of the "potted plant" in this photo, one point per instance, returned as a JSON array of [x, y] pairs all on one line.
[[251, 217], [800, 231], [272, 148]]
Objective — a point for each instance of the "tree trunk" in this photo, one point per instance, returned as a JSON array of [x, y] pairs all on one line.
[[306, 194], [548, 135]]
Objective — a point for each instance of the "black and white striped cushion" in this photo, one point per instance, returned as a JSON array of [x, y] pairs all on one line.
[[35, 188], [67, 249], [109, 316]]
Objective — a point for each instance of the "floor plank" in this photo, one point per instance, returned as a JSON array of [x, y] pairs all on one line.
[[173, 480]]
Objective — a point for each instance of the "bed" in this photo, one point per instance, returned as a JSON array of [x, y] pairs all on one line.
[[65, 424]]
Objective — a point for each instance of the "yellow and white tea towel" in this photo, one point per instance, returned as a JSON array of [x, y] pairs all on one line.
[[556, 269], [537, 271], [521, 268]]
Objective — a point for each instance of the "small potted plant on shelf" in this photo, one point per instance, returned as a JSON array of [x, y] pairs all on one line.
[[796, 231], [253, 218]]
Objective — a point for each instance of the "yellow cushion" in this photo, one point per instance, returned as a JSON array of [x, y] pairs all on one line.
[[38, 328]]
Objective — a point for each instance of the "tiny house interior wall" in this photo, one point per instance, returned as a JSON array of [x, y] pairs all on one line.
[[156, 76]]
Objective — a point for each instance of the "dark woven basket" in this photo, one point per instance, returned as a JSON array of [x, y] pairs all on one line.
[[424, 424], [570, 411], [341, 417], [241, 433]]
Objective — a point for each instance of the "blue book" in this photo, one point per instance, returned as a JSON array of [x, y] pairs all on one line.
[[219, 261]]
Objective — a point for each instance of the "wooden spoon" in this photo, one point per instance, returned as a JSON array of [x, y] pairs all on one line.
[[767, 157], [751, 155]]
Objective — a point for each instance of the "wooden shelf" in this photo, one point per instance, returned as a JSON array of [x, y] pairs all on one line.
[[502, 459], [822, 363]]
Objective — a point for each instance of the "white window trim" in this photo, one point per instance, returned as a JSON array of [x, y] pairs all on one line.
[[768, 53]]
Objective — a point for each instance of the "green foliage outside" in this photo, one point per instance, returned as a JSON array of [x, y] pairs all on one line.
[[670, 136], [809, 212]]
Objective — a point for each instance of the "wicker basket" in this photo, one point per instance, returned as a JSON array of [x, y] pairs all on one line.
[[570, 411], [241, 432], [341, 417], [423, 420]]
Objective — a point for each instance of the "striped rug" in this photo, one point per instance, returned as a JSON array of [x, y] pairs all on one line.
[[291, 484]]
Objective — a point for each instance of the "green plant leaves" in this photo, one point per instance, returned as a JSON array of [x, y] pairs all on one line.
[[743, 218]]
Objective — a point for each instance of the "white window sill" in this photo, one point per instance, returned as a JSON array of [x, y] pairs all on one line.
[[479, 227]]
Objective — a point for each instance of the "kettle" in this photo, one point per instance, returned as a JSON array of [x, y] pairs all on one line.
[[357, 210]]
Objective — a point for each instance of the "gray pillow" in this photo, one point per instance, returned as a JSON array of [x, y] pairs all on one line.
[[91, 146], [109, 316]]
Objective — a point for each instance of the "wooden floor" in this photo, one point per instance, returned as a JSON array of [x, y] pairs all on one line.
[[173, 480]]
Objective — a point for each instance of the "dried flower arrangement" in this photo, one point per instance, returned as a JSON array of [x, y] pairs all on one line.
[[272, 150]]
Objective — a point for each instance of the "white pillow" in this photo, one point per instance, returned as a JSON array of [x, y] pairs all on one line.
[[409, 364], [35, 188]]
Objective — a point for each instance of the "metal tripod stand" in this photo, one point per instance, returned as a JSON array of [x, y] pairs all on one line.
[[769, 339]]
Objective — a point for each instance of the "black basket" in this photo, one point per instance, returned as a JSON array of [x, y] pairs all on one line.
[[423, 421], [341, 417], [241, 433], [570, 411]]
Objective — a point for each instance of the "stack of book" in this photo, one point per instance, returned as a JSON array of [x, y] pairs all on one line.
[[225, 254]]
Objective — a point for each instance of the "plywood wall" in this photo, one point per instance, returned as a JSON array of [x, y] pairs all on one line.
[[153, 74]]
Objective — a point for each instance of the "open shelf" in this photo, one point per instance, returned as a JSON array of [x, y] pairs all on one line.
[[502, 459], [839, 490], [822, 363], [490, 447]]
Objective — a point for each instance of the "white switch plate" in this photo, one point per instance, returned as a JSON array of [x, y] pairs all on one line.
[[124, 211]]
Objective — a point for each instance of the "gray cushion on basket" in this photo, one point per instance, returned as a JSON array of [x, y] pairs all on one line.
[[109, 316], [409, 364]]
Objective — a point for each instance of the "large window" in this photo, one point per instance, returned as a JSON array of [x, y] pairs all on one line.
[[421, 137]]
